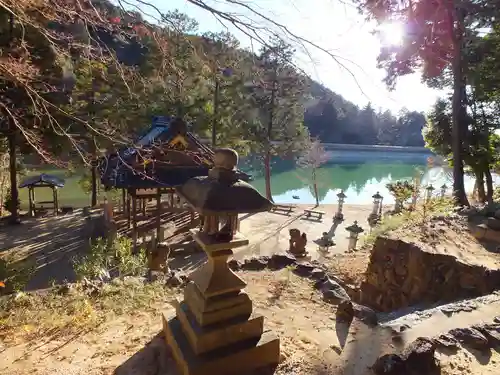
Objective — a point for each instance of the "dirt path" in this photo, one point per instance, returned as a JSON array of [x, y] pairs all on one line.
[[311, 341]]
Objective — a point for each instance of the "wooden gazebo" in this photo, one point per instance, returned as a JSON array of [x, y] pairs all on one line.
[[165, 157], [39, 181]]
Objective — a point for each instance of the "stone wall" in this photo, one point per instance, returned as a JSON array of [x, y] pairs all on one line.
[[402, 274]]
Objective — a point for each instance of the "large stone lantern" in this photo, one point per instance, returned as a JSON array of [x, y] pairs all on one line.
[[339, 216], [374, 216], [428, 195], [215, 330]]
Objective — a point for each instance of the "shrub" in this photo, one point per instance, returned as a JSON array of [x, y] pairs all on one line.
[[8, 203]]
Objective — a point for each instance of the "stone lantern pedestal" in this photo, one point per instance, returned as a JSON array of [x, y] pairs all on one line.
[[215, 330]]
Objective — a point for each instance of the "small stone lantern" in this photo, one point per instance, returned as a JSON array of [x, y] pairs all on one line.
[[443, 190], [354, 232], [216, 313], [325, 242], [428, 195], [339, 216]]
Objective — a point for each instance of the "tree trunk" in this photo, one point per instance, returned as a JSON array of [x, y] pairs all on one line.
[[458, 109], [481, 194], [267, 168], [94, 183], [489, 186], [315, 187], [14, 218]]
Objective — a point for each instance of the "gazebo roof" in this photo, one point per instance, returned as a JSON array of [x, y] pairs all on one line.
[[42, 180], [179, 156]]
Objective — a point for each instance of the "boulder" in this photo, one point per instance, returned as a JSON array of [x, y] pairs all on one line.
[[234, 264], [318, 274], [491, 332], [470, 337], [254, 264], [402, 274], [493, 223], [389, 364], [348, 310], [333, 292], [279, 261], [419, 357], [303, 269], [446, 341]]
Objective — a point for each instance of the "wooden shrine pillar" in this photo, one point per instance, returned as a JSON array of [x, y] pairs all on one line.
[[56, 203], [158, 213], [30, 198], [124, 201], [134, 223], [129, 213]]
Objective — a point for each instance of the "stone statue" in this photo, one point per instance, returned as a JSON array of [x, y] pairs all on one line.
[[298, 243]]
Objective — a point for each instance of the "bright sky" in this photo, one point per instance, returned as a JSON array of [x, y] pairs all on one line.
[[336, 26]]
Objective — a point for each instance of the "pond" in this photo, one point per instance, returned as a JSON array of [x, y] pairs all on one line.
[[359, 173]]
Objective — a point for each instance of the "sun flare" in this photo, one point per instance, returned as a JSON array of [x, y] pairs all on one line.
[[391, 34]]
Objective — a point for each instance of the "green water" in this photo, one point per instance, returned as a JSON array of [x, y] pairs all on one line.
[[359, 174]]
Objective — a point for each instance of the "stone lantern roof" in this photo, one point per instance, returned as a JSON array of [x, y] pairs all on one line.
[[377, 196], [341, 194], [221, 192]]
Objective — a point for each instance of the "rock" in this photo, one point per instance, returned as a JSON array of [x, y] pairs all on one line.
[[446, 341], [279, 261], [175, 280], [419, 357], [493, 223], [234, 264], [303, 269], [497, 214], [254, 264], [318, 274], [491, 332], [496, 319], [470, 337], [389, 364], [345, 311], [333, 292], [365, 314]]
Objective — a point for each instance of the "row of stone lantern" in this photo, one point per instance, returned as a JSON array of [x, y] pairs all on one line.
[[429, 190]]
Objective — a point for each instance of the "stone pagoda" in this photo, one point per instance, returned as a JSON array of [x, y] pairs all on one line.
[[215, 330]]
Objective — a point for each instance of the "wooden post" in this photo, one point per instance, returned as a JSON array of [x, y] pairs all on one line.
[[134, 223], [123, 201], [158, 213], [128, 210], [33, 200], [54, 196], [30, 201]]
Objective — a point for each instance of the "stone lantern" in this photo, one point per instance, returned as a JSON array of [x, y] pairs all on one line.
[[377, 208], [339, 216], [354, 232], [215, 330], [443, 190], [325, 242], [428, 195]]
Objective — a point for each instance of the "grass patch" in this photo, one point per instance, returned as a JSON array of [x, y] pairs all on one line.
[[415, 219], [62, 311]]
